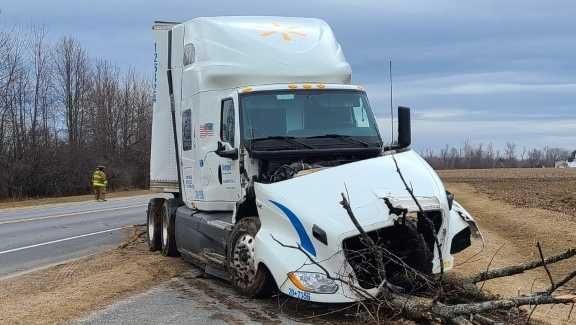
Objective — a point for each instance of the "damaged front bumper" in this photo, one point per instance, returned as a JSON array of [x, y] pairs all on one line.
[[345, 273], [304, 227]]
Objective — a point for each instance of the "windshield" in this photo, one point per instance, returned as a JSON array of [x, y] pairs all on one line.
[[308, 114]]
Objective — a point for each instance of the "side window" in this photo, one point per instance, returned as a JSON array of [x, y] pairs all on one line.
[[227, 122], [187, 130], [189, 53]]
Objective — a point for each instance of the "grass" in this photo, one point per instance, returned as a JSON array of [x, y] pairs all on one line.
[[7, 204]]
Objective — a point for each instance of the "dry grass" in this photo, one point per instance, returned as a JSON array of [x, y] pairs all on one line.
[[64, 292], [66, 199]]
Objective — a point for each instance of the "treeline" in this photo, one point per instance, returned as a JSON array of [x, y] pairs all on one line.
[[486, 156], [62, 112]]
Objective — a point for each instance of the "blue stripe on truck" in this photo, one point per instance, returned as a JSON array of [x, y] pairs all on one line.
[[305, 241]]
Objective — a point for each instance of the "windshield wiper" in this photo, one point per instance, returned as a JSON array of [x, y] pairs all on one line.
[[288, 139], [341, 136]]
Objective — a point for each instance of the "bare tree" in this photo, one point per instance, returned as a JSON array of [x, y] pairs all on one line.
[[481, 156], [510, 154], [42, 75], [73, 76], [61, 112]]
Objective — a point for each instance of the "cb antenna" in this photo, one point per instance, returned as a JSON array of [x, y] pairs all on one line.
[[391, 104]]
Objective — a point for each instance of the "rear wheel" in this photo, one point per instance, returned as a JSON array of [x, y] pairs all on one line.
[[248, 278], [168, 235], [154, 223]]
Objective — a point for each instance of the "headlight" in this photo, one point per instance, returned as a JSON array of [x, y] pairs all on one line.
[[313, 282]]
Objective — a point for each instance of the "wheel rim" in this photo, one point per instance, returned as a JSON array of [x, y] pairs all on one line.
[[151, 226], [165, 232], [244, 268]]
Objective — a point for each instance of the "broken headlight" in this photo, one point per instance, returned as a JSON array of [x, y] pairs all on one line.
[[313, 282]]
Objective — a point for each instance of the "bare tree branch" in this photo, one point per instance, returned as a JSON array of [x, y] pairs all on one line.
[[521, 268]]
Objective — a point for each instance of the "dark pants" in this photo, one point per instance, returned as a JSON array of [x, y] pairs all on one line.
[[100, 193]]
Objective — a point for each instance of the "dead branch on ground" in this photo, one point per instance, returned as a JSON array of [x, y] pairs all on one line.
[[521, 268]]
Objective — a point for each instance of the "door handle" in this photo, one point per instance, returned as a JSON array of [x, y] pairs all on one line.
[[220, 173]]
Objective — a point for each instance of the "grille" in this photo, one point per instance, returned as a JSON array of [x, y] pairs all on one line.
[[436, 217], [402, 241]]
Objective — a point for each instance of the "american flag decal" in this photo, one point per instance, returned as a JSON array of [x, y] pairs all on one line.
[[206, 130]]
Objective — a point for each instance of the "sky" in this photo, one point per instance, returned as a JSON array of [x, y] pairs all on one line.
[[484, 71]]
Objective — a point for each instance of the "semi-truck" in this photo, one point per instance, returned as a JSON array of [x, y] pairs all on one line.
[[258, 133]]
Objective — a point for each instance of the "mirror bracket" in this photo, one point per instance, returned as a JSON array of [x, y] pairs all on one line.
[[222, 152]]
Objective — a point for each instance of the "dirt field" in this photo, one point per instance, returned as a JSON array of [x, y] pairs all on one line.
[[544, 188], [515, 209]]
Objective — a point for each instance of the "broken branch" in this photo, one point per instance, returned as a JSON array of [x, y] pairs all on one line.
[[421, 216], [521, 268], [552, 285], [374, 249], [562, 282]]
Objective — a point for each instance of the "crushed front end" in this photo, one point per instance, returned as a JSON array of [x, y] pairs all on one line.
[[315, 250]]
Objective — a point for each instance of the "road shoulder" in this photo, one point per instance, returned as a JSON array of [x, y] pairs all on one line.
[[67, 291], [55, 201]]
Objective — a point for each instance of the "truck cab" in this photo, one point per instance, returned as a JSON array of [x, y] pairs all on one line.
[[261, 134], [258, 135]]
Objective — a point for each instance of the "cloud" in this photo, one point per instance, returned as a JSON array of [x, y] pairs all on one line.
[[487, 69], [479, 84], [493, 88], [525, 132], [442, 114]]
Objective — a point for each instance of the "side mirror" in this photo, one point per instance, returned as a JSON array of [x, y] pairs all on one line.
[[222, 152], [404, 128]]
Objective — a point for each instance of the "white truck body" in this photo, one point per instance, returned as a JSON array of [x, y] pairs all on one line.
[[249, 95], [286, 50], [570, 163]]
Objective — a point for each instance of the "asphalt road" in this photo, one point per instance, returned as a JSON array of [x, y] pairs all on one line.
[[35, 237]]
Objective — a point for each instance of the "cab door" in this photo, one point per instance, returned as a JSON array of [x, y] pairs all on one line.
[[219, 183], [228, 168]]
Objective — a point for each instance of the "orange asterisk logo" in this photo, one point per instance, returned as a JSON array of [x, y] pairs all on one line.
[[287, 32]]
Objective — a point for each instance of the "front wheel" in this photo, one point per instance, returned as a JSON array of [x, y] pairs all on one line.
[[248, 278]]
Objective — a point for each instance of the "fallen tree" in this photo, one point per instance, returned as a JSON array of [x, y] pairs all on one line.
[[444, 298]]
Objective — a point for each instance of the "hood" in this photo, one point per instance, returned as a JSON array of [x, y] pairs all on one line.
[[315, 198]]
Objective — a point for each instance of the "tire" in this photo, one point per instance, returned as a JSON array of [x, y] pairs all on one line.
[[154, 223], [168, 235], [254, 281]]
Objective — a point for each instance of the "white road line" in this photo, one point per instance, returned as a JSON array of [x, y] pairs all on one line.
[[69, 214], [62, 240]]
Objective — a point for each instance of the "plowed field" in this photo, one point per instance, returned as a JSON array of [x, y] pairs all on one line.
[[515, 209], [543, 188]]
